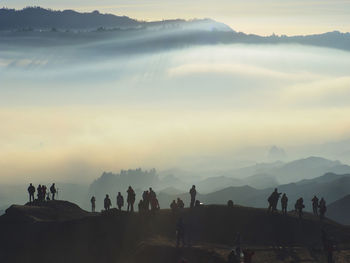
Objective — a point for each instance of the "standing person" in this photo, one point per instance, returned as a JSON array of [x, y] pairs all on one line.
[[93, 203], [145, 197], [43, 190], [273, 201], [141, 206], [131, 199], [322, 207], [152, 196], [39, 192], [120, 201], [180, 204], [53, 191], [299, 207], [180, 232], [31, 191], [173, 206], [107, 203], [284, 203], [193, 194], [315, 205]]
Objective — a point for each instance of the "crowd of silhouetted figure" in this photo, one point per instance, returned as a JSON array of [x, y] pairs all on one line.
[[43, 194], [149, 203], [318, 206]]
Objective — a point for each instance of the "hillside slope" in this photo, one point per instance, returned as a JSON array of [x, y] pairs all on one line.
[[340, 210], [116, 236]]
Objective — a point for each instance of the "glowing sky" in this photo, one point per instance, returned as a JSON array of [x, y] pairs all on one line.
[[264, 17]]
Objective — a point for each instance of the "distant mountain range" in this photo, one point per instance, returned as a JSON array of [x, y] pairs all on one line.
[[174, 33], [37, 18], [212, 190], [330, 186], [293, 171], [251, 190]]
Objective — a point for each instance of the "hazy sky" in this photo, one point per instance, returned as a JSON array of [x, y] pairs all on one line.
[[265, 17], [67, 114]]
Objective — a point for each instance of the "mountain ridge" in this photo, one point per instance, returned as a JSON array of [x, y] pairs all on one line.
[[179, 32]]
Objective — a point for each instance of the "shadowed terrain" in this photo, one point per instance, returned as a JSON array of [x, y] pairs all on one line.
[[61, 232]]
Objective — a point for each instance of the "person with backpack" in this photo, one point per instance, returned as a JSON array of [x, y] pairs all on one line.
[[120, 201], [31, 191]]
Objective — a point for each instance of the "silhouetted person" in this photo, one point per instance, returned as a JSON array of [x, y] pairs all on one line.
[[131, 199], [173, 206], [273, 201], [230, 203], [141, 206], [93, 203], [152, 194], [53, 191], [107, 203], [120, 201], [323, 208], [180, 204], [180, 232], [48, 197], [39, 193], [193, 194], [247, 255], [43, 192], [284, 203], [152, 197], [154, 204], [31, 191], [145, 197], [315, 205], [299, 205]]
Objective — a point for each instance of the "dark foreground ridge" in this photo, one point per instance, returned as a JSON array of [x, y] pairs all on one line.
[[59, 231]]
